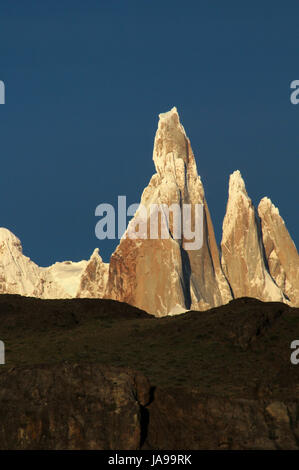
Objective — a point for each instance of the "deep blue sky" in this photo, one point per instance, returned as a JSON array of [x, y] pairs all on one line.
[[85, 82]]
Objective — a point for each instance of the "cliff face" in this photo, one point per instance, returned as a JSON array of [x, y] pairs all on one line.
[[94, 407], [221, 379], [167, 276], [71, 407], [242, 249], [280, 251], [184, 419]]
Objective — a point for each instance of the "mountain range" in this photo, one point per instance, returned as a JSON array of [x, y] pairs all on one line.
[[257, 257]]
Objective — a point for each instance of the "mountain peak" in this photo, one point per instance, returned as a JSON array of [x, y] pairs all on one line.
[[172, 152], [267, 205], [238, 204], [6, 234], [167, 276], [242, 253], [96, 253], [237, 184], [7, 238], [280, 250], [171, 115]]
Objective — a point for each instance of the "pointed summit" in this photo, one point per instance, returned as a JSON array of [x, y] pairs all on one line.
[[242, 251], [237, 184], [160, 275], [280, 250], [237, 201], [93, 280], [172, 154], [266, 205], [165, 275]]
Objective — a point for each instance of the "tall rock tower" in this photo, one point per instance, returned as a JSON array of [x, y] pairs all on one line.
[[280, 251], [165, 276], [243, 259]]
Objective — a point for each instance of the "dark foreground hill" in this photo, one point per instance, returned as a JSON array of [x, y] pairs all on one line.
[[91, 373]]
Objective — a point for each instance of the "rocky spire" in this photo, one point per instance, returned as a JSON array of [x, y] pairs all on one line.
[[280, 251], [93, 280], [243, 259], [163, 276], [172, 154]]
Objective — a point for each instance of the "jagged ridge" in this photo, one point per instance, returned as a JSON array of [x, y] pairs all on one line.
[[163, 276]]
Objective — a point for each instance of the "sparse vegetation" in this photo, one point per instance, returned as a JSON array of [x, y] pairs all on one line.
[[228, 350]]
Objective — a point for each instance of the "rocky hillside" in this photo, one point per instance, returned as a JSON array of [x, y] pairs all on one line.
[[90, 373], [88, 406]]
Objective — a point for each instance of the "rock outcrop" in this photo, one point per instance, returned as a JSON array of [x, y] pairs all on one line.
[[18, 274], [71, 407], [243, 259], [93, 280], [165, 275], [67, 279], [280, 251], [70, 379], [92, 407], [185, 419]]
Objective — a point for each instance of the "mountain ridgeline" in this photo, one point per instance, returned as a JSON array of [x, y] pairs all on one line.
[[163, 276]]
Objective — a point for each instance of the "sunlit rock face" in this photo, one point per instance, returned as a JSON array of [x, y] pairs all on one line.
[[243, 260], [161, 268], [168, 276], [18, 274], [93, 280], [280, 251], [67, 279]]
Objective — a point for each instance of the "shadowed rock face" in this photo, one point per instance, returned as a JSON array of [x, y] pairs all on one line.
[[165, 276], [221, 379], [220, 423], [280, 251], [242, 251], [71, 407], [89, 407]]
